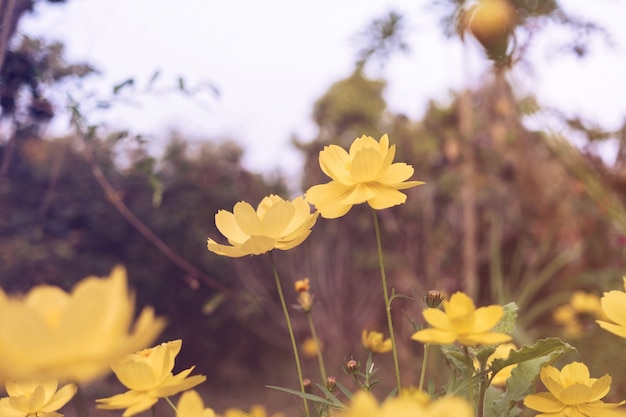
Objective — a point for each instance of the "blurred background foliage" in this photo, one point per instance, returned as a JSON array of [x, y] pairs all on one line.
[[508, 213]]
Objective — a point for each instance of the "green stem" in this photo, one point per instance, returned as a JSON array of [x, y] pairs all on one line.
[[167, 399], [424, 363], [481, 396], [79, 403], [387, 302], [470, 385], [318, 347], [290, 328]]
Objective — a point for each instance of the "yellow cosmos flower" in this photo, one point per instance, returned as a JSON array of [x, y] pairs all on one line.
[[35, 399], [51, 334], [276, 224], [190, 404], [375, 342], [148, 376], [571, 392], [461, 321], [255, 411], [364, 174], [614, 307], [363, 404]]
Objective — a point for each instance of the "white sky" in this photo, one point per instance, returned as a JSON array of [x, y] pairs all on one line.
[[272, 59]]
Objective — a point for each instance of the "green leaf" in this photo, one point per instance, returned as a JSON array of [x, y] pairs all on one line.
[[549, 349], [507, 322], [529, 360], [311, 397]]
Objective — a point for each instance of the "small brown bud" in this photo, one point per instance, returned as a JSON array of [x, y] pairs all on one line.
[[352, 367], [302, 285], [331, 383], [308, 386], [433, 298]]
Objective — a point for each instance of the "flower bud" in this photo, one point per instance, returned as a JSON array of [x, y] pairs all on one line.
[[305, 301], [302, 285], [352, 367], [331, 383], [308, 386], [433, 298]]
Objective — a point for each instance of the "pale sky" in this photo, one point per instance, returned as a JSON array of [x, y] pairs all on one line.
[[272, 59]]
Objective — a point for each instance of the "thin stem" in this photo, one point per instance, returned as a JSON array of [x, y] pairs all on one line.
[[481, 396], [79, 403], [318, 347], [167, 399], [387, 302], [424, 363], [470, 385], [290, 328]]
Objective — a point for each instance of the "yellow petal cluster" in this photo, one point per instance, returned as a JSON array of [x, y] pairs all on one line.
[[148, 376], [460, 321], [363, 404], [614, 307], [375, 342], [364, 174], [190, 404], [275, 224], [51, 334], [571, 392], [35, 399]]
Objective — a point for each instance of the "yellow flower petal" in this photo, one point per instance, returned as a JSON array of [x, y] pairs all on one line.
[[600, 388], [616, 329], [543, 402], [437, 318], [385, 197], [227, 225], [334, 163], [614, 306], [486, 318], [434, 336], [247, 219], [366, 165], [327, 199]]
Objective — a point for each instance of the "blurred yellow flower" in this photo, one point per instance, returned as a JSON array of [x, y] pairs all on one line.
[[571, 392], [309, 347], [364, 174], [576, 316], [614, 306], [148, 376], [255, 411], [363, 404], [51, 334], [276, 224], [461, 321], [190, 404], [35, 399], [375, 342]]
